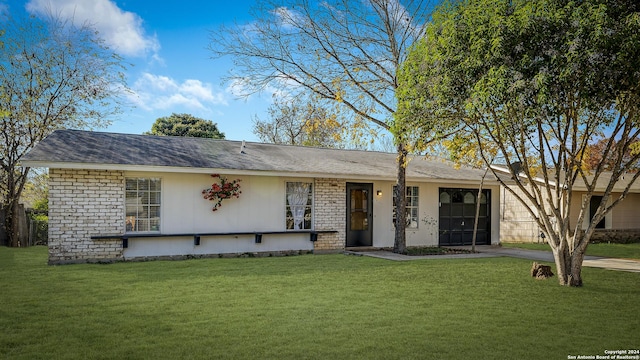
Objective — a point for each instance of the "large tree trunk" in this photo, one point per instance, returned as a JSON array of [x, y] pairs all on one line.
[[12, 222], [400, 197], [14, 226], [575, 276], [10, 225], [4, 237], [562, 261], [15, 232], [569, 264]]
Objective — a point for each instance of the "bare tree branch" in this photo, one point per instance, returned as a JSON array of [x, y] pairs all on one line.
[[346, 53], [53, 75]]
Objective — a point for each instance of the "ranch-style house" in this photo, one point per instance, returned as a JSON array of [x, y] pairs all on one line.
[[119, 197]]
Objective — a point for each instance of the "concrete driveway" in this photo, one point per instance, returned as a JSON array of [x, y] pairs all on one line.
[[590, 261], [496, 251]]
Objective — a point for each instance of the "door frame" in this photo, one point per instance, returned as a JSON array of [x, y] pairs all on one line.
[[355, 238], [462, 234]]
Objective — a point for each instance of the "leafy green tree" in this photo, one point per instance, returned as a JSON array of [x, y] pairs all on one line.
[[36, 191], [53, 75], [185, 125], [345, 53], [306, 124], [535, 83]]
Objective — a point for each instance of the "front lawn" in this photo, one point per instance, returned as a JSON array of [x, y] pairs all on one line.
[[623, 251], [308, 307]]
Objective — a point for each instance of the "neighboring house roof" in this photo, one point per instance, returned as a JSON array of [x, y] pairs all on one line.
[[603, 181], [579, 184], [100, 150]]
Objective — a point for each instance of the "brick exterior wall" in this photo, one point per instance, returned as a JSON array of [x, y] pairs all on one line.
[[83, 203], [330, 213], [616, 236], [516, 223]]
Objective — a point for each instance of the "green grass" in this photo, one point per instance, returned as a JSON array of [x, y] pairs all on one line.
[[623, 251], [308, 307]]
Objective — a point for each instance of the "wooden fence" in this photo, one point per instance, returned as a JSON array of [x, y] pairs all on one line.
[[32, 230]]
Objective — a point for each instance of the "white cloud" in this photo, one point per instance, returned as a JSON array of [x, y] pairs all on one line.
[[156, 82], [288, 18], [202, 91], [121, 30], [153, 92]]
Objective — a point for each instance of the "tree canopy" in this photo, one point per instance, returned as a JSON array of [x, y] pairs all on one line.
[[535, 84], [344, 53], [185, 125], [53, 75], [304, 124], [36, 191]]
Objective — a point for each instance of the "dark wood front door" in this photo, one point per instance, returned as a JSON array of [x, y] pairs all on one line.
[[359, 214]]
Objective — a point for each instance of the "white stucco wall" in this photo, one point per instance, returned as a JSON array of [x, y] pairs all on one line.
[[383, 228], [260, 208], [429, 212], [83, 201], [172, 246]]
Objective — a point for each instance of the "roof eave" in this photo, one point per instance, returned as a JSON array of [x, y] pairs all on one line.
[[195, 170]]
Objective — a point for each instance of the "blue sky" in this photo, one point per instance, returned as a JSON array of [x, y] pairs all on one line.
[[173, 72]]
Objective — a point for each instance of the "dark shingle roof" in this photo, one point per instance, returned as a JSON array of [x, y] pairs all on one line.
[[71, 148]]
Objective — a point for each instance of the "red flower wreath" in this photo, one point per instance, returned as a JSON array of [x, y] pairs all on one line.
[[225, 190]]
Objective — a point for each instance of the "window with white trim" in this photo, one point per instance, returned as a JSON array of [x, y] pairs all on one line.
[[591, 209], [299, 205], [142, 204], [411, 209]]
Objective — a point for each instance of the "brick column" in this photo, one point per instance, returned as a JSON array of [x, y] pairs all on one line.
[[83, 203], [330, 213]]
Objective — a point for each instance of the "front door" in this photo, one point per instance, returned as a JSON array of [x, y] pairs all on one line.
[[359, 214]]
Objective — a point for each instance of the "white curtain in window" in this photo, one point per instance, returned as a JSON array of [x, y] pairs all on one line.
[[298, 195]]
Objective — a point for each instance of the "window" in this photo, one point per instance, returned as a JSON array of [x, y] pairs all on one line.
[[411, 208], [142, 204], [299, 201], [593, 208], [469, 198]]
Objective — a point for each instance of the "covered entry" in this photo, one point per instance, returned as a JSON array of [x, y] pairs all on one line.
[[457, 214], [359, 214]]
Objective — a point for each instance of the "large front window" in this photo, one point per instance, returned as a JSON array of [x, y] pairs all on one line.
[[142, 204], [299, 200], [412, 208]]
